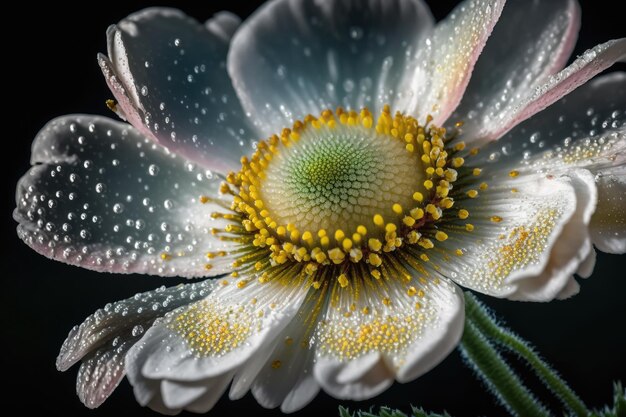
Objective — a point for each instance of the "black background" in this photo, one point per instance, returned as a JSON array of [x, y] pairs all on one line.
[[53, 71]]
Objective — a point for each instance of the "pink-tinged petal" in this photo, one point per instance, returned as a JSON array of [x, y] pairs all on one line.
[[103, 339], [529, 233], [204, 344], [557, 86], [295, 57], [585, 129], [442, 66], [168, 73], [103, 197], [391, 329], [531, 41]]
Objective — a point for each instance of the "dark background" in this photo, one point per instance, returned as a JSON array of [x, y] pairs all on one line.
[[53, 71]]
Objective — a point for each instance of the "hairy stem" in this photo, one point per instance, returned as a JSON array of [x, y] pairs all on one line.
[[485, 322], [496, 373]]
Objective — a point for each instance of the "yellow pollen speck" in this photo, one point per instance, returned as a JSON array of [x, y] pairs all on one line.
[[204, 199], [424, 257], [463, 214], [420, 294], [472, 193], [459, 252], [343, 280], [276, 364], [208, 266], [411, 291], [476, 171], [469, 227], [496, 219], [418, 306], [514, 190], [483, 186], [376, 273], [166, 256], [458, 162], [386, 301], [374, 259], [441, 236], [513, 174]]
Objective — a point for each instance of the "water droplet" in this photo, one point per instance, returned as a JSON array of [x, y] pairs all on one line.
[[144, 91], [168, 204], [118, 208], [356, 32], [137, 330], [153, 170], [100, 188]]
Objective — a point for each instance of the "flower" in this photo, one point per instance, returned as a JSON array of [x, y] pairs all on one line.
[[343, 232]]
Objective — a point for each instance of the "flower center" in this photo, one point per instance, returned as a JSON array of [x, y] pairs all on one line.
[[340, 188], [337, 178]]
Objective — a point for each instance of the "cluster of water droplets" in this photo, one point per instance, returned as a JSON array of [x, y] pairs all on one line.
[[105, 198]]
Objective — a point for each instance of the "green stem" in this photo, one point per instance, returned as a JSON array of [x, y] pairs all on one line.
[[497, 374], [483, 320]]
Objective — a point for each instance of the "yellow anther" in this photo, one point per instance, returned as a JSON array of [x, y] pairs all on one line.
[[397, 208], [441, 236], [276, 364], [424, 257], [281, 231], [339, 235], [413, 237], [483, 186], [409, 147], [513, 174], [347, 244], [476, 171], [204, 199], [408, 220], [459, 146], [390, 228], [426, 243], [378, 220], [325, 241], [374, 259], [307, 236], [463, 214], [374, 244], [417, 196], [428, 184], [469, 227], [343, 280], [336, 255], [376, 273], [496, 219], [417, 213], [472, 193], [420, 293], [411, 291], [459, 252]]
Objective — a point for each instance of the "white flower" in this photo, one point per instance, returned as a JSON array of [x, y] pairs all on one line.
[[345, 231]]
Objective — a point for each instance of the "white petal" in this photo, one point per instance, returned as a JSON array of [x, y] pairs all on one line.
[[285, 377], [570, 250], [104, 338], [373, 380], [103, 197], [168, 73], [178, 394], [608, 224], [117, 319], [210, 339], [223, 24], [390, 329], [295, 57], [212, 394], [531, 41], [442, 67], [530, 234], [579, 72]]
